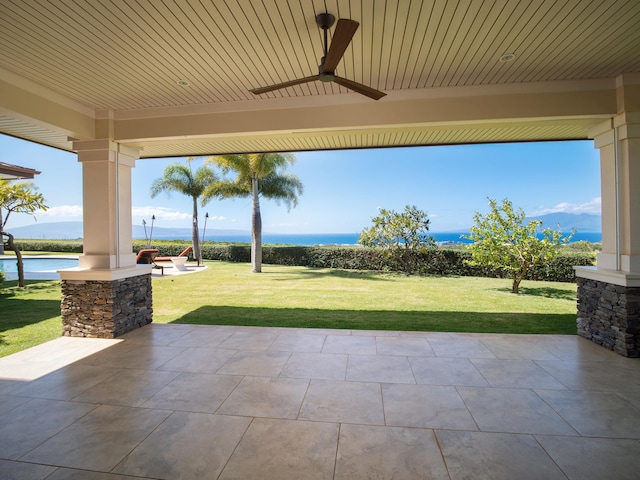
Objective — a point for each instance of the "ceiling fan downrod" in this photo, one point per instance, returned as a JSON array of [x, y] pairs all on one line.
[[325, 21]]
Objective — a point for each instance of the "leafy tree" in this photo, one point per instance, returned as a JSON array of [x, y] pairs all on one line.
[[401, 236], [502, 241], [178, 177], [257, 175], [19, 198]]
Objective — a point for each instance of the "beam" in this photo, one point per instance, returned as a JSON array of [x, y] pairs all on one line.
[[435, 107]]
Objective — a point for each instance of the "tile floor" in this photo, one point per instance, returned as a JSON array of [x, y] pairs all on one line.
[[215, 402]]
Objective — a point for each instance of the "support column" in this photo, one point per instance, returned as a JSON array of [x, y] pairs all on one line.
[[108, 294], [609, 294]]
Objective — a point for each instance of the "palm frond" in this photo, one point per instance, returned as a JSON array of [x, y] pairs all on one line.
[[284, 188], [266, 167], [224, 189]]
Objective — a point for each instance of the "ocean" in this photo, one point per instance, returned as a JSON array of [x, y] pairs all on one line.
[[348, 238]]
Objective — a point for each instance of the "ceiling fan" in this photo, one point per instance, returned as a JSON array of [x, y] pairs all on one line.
[[345, 30]]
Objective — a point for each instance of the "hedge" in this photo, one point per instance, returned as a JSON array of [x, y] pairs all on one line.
[[436, 261]]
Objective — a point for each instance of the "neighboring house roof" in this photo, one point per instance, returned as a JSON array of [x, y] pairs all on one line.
[[14, 172]]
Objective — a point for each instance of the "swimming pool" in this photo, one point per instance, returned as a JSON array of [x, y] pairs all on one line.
[[38, 265]]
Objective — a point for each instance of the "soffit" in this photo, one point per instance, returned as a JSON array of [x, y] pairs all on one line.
[[128, 56]]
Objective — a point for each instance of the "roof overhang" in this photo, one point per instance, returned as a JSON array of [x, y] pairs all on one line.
[[174, 78]]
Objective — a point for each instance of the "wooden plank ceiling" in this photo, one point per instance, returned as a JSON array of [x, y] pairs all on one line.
[[126, 55]]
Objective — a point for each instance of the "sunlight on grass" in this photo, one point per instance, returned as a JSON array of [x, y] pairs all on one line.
[[229, 294], [29, 316]]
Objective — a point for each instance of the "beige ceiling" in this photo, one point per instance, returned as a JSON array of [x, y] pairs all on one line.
[[112, 68]]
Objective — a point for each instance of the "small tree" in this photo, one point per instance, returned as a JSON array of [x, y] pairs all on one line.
[[401, 236], [19, 198], [502, 241]]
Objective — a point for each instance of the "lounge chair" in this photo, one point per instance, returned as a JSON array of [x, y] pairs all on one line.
[[148, 256], [184, 253]]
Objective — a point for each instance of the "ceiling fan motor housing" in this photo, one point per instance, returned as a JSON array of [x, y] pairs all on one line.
[[326, 77], [325, 20]]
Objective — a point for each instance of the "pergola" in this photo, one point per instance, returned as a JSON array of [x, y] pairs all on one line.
[[122, 80]]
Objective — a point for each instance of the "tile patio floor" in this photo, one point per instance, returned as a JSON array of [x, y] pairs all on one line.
[[209, 402]]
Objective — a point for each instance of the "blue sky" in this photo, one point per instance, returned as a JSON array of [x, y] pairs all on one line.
[[344, 189]]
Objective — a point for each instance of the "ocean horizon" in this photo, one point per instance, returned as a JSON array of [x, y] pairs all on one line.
[[308, 239]]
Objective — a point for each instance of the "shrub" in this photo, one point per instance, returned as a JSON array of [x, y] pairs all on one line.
[[434, 261], [64, 246], [561, 269], [400, 236]]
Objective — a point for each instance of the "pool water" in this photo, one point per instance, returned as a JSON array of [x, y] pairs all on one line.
[[38, 264]]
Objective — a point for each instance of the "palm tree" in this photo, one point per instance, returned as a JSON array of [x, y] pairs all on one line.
[[257, 175], [178, 177]]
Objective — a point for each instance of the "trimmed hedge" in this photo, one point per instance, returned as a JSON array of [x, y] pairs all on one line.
[[63, 246], [435, 261]]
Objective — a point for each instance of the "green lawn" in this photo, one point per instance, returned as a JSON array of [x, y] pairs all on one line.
[[229, 294], [28, 316]]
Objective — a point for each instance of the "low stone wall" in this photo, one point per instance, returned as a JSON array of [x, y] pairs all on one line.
[[105, 309], [609, 315]]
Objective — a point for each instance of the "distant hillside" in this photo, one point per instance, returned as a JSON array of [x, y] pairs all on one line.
[[583, 222], [49, 231], [73, 230]]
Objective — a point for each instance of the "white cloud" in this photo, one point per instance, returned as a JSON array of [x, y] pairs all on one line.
[[593, 206], [161, 213], [68, 211]]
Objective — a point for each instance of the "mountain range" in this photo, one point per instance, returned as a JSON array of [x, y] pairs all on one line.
[[582, 222], [73, 231]]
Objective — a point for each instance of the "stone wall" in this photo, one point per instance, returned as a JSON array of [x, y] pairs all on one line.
[[105, 309], [609, 315]]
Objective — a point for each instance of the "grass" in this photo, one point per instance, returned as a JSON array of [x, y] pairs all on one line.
[[30, 316], [229, 294]]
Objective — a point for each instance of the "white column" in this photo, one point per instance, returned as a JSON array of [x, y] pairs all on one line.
[[618, 140], [609, 293], [106, 185], [107, 295]]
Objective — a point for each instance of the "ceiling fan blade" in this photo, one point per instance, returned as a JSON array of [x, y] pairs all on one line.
[[360, 88], [278, 86], [344, 32]]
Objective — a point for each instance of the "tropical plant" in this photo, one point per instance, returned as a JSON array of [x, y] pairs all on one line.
[[502, 241], [400, 235], [178, 177], [18, 197], [257, 175]]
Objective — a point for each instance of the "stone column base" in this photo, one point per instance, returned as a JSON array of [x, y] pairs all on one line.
[[609, 315], [105, 308]]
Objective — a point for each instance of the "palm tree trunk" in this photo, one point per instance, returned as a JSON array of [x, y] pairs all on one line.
[[194, 231], [256, 229]]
